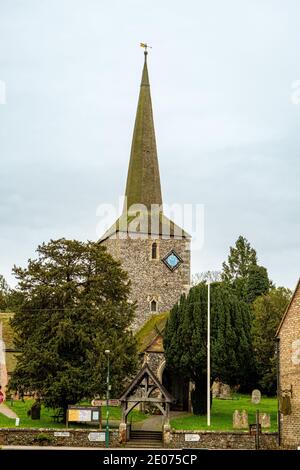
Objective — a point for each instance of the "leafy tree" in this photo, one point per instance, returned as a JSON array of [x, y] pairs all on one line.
[[212, 276], [267, 313], [243, 273], [4, 292], [185, 339], [73, 307]]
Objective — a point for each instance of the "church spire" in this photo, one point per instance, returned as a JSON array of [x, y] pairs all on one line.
[[143, 180]]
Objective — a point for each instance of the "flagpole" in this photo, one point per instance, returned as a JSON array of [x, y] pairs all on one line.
[[208, 352]]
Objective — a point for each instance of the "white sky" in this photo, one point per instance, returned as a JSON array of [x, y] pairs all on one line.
[[227, 128]]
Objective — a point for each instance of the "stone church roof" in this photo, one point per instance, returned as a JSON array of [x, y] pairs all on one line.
[[143, 211], [296, 292], [143, 180], [149, 337], [144, 223]]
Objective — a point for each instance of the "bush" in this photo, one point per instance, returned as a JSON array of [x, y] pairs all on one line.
[[43, 439]]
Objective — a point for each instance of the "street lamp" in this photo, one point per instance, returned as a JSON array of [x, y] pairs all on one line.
[[107, 352]]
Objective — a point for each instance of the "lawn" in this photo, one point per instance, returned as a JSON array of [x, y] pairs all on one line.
[[46, 421], [222, 411]]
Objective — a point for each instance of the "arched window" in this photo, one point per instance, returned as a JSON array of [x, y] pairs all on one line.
[[154, 250], [153, 306]]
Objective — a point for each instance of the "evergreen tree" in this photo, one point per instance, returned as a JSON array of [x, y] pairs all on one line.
[[246, 277], [257, 283], [240, 259], [73, 307], [185, 339], [267, 313]]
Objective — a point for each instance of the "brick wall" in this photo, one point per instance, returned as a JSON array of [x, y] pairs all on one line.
[[289, 359]]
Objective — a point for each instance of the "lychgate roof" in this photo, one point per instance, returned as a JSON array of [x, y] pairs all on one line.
[[146, 373]]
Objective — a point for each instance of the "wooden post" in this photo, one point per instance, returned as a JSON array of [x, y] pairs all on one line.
[[257, 431], [167, 413], [123, 412]]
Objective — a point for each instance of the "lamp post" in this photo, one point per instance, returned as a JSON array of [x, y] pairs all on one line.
[[107, 352]]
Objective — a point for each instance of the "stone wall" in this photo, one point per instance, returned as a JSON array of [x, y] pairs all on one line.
[[76, 438], [289, 354], [79, 438], [221, 440], [150, 278]]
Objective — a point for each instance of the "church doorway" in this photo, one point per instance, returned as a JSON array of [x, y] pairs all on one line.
[[179, 389]]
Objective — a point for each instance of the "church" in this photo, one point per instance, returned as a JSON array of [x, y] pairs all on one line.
[[153, 250]]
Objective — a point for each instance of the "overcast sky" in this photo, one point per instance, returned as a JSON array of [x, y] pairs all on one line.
[[227, 124]]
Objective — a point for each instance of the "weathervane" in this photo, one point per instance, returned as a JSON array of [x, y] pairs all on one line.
[[145, 46]]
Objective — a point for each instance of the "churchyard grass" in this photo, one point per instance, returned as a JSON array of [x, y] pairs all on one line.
[[222, 411], [47, 421]]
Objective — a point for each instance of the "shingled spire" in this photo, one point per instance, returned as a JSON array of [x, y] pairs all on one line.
[[143, 180]]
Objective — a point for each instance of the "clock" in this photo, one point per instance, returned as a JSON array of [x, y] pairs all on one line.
[[172, 260]]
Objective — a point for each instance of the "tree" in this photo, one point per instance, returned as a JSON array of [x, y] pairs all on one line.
[[212, 276], [243, 273], [4, 292], [74, 306], [240, 259], [267, 313], [185, 340], [257, 283]]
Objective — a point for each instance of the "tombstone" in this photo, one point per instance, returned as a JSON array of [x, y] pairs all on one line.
[[236, 420], [225, 392], [265, 420], [256, 397], [244, 419], [240, 419], [216, 389]]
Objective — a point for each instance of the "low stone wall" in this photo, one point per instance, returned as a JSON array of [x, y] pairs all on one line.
[[55, 437], [220, 440], [177, 439]]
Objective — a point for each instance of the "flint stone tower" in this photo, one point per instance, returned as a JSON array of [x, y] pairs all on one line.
[[153, 250]]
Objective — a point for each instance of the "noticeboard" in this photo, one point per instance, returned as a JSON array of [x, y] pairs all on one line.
[[84, 414]]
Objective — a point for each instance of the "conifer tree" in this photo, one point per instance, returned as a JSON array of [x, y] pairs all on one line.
[[185, 339], [73, 307], [242, 272]]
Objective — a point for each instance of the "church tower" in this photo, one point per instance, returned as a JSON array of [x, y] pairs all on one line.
[[153, 250]]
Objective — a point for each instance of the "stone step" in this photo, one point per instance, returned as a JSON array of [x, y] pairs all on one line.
[[146, 435], [138, 443]]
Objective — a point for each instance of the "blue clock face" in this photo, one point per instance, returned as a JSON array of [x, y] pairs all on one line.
[[172, 260]]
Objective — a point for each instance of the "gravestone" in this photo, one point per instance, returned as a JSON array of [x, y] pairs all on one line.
[[245, 419], [256, 397], [225, 392], [265, 420], [237, 420], [240, 419], [216, 389]]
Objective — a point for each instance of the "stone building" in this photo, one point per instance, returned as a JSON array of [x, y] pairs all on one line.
[[153, 250], [288, 336]]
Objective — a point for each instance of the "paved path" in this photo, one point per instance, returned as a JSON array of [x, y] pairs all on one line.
[[7, 412], [154, 422], [120, 449]]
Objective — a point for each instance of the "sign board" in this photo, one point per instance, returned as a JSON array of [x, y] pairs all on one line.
[[61, 434], [192, 437], [111, 402], [96, 437], [84, 414]]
